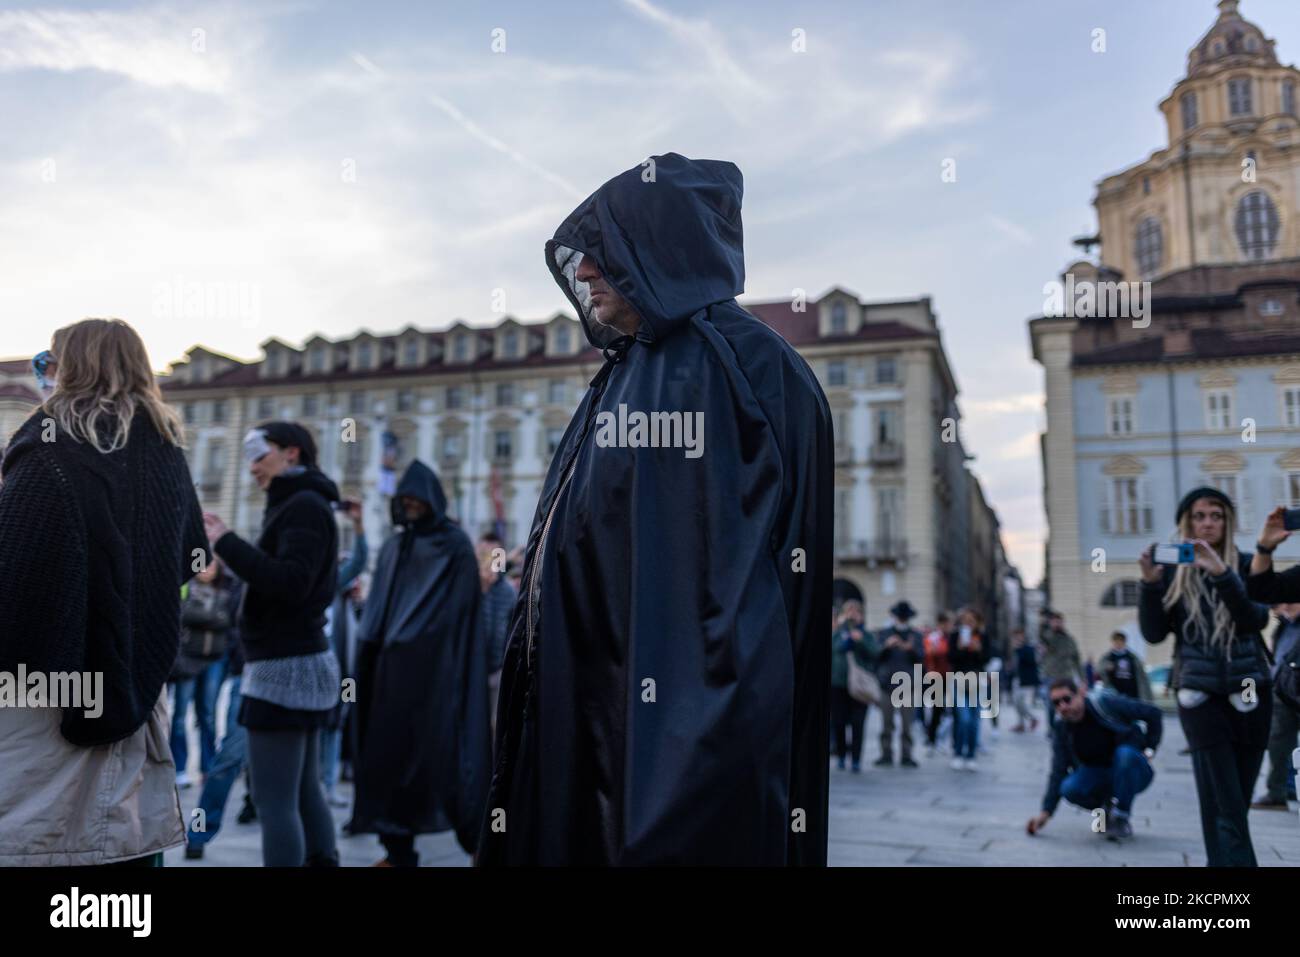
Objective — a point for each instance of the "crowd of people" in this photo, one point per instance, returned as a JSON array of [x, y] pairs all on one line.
[[1235, 697], [646, 684]]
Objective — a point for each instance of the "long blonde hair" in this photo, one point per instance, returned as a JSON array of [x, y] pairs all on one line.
[[1189, 585], [103, 378]]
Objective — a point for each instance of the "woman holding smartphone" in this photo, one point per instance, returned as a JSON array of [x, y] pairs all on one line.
[[99, 529], [1220, 667]]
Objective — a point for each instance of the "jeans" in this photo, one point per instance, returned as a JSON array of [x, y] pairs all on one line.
[[331, 747], [230, 761], [204, 689], [1128, 776], [965, 730]]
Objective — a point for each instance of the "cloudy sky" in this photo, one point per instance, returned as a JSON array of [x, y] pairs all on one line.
[[340, 166]]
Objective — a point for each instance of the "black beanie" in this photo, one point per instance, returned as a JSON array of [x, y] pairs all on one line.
[[1205, 491], [292, 435]]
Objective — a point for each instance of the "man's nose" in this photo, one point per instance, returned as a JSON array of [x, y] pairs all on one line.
[[587, 270]]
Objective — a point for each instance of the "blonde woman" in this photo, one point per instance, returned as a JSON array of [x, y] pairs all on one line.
[[99, 529], [1220, 668]]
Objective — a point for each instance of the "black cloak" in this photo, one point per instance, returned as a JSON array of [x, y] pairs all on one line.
[[424, 748], [664, 698]]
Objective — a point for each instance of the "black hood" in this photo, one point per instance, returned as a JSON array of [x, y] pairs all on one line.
[[420, 481], [667, 236], [310, 479]]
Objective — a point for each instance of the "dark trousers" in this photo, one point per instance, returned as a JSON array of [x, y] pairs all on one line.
[[932, 725], [845, 714], [297, 827], [1281, 742], [1226, 757], [400, 849]]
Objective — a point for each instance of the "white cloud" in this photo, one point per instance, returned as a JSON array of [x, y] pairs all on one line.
[[155, 48]]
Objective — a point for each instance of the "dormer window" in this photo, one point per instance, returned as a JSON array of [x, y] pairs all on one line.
[[510, 344], [562, 340], [411, 352], [317, 359], [460, 349], [1239, 100], [839, 318], [1190, 114], [364, 355]]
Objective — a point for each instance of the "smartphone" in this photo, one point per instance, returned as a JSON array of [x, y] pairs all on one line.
[[1184, 554], [1291, 519]]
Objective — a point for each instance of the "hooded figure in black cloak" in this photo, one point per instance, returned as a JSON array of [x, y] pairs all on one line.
[[423, 745], [665, 694]]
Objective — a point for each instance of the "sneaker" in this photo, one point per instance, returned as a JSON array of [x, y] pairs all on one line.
[[957, 764], [908, 763], [1268, 804], [1118, 828], [193, 852], [885, 761], [969, 765], [183, 780]]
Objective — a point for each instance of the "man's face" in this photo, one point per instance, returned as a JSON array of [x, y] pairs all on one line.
[[1056, 622], [609, 307], [1068, 704], [272, 464], [1118, 644], [853, 612], [414, 508]]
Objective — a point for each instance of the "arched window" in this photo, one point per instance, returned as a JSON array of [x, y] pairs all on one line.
[[1150, 246], [1122, 594], [1257, 225], [1190, 113]]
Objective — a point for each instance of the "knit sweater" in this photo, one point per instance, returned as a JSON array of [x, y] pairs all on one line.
[[94, 549]]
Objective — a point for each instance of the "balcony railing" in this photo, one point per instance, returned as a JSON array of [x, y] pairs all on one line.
[[886, 453], [872, 550]]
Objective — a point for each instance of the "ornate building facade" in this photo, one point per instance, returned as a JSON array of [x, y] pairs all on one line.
[[1204, 389]]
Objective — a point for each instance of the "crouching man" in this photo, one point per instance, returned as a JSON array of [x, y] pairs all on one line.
[[1100, 754]]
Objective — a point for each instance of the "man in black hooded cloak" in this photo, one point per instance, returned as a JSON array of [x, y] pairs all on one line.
[[423, 746], [664, 698]]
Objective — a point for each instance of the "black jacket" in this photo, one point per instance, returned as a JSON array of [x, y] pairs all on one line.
[[424, 746], [1197, 665], [1135, 723], [1273, 587], [289, 574], [94, 549], [891, 661], [665, 693]]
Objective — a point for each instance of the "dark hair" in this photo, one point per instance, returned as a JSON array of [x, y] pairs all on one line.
[[1118, 634], [491, 538], [291, 435], [1063, 683]]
